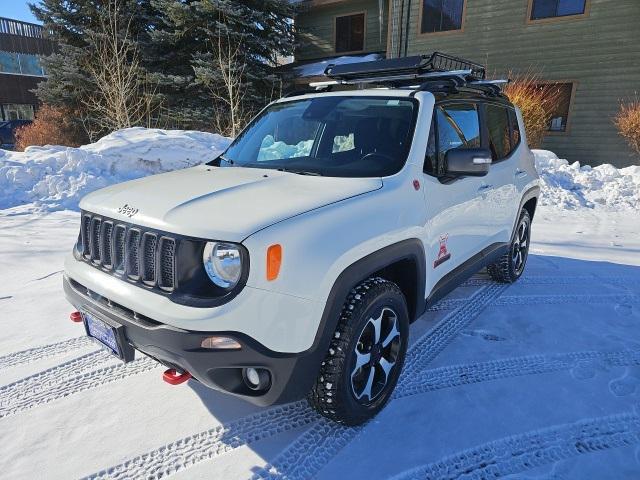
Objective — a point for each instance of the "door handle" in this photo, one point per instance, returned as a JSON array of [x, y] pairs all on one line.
[[520, 173]]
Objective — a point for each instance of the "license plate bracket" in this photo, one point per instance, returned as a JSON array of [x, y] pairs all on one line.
[[108, 334]]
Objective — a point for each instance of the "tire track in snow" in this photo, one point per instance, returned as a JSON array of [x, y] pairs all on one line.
[[45, 351], [318, 445], [212, 443], [48, 386], [447, 304], [429, 346], [537, 448], [47, 276], [555, 280], [27, 388], [586, 299], [559, 299], [456, 375], [323, 436], [294, 466]]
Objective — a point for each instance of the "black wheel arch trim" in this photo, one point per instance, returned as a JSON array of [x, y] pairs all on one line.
[[411, 249], [531, 193]]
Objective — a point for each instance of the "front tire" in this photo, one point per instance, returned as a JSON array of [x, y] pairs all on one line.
[[511, 265], [366, 354]]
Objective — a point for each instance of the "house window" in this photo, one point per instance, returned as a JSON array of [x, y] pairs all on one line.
[[30, 65], [20, 63], [441, 15], [9, 62], [557, 8], [17, 111], [350, 33], [561, 105]]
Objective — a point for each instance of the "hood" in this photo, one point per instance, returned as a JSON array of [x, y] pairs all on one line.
[[221, 203]]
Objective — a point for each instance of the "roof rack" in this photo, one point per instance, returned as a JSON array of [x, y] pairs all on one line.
[[437, 71]]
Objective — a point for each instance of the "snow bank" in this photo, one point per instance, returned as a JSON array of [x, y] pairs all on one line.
[[55, 178], [572, 186]]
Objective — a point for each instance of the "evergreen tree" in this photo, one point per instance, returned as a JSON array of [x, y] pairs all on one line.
[[77, 27], [179, 44]]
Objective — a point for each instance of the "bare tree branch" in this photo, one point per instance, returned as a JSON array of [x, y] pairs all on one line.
[[123, 97]]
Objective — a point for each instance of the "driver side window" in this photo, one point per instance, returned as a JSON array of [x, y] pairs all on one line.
[[454, 126]]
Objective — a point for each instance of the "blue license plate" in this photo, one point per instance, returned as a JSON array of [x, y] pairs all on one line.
[[103, 333]]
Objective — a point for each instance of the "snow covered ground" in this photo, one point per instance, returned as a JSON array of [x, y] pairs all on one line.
[[537, 380]]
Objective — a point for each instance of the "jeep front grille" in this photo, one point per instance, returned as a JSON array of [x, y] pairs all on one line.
[[129, 251]]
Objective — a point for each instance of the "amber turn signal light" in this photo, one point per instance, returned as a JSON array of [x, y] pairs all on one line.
[[220, 343], [274, 259]]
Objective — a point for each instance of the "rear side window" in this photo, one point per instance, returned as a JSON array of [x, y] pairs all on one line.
[[456, 126], [515, 129], [431, 159], [499, 132]]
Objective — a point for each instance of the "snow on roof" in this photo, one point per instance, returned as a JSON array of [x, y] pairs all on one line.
[[316, 69]]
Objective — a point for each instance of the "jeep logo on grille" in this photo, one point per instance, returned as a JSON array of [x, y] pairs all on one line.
[[127, 210]]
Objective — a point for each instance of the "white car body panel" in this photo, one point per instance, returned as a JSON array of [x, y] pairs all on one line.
[[221, 203], [264, 315]]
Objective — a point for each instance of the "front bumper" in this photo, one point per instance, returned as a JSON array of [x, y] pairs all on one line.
[[292, 374]]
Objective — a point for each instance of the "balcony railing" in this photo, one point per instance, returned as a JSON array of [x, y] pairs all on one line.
[[22, 29]]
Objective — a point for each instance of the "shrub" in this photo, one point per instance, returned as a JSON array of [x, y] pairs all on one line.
[[52, 126], [628, 123], [536, 102]]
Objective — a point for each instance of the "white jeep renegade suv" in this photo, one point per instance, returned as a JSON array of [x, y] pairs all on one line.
[[293, 264]]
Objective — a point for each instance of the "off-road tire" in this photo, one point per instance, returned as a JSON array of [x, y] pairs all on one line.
[[504, 270], [333, 393]]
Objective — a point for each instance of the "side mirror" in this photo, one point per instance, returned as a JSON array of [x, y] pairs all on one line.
[[470, 162]]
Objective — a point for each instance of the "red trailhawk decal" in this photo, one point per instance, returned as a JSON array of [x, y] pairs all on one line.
[[443, 254]]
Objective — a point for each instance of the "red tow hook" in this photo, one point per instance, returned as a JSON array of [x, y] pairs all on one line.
[[76, 317], [172, 376]]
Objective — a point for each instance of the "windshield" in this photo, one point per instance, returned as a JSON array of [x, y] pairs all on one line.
[[331, 136]]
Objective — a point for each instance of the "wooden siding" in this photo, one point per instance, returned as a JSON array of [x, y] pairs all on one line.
[[316, 22], [600, 51], [18, 89]]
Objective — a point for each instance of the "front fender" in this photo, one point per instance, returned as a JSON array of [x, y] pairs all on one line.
[[319, 246]]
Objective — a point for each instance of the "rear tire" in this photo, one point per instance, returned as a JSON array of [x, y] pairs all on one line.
[[511, 265], [366, 354]]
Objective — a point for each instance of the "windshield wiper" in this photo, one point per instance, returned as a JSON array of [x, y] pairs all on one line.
[[300, 172], [217, 162]]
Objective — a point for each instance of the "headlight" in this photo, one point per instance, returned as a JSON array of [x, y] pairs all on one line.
[[223, 263]]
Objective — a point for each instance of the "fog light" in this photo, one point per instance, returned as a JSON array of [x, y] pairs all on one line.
[[221, 343], [253, 377], [256, 378]]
